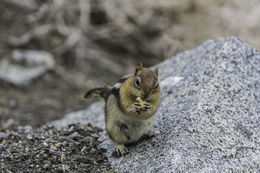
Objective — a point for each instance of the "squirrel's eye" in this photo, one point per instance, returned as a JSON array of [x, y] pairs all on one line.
[[137, 82], [156, 86]]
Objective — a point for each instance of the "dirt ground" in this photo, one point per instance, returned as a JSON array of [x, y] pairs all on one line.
[[47, 149]]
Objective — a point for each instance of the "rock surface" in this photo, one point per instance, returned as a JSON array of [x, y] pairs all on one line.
[[93, 115], [209, 118]]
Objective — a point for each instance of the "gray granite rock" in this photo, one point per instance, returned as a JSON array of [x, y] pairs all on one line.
[[93, 115], [209, 118]]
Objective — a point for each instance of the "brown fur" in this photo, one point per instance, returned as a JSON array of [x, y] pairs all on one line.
[[136, 124], [129, 93], [124, 123]]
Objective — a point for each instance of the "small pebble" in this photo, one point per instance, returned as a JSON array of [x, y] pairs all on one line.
[[65, 144], [60, 169], [83, 149], [29, 136], [94, 135], [58, 144], [136, 158], [71, 129], [3, 142], [65, 167], [46, 166], [49, 126], [88, 139], [54, 158], [93, 150], [53, 147], [63, 158], [75, 135], [27, 129], [45, 144], [42, 137]]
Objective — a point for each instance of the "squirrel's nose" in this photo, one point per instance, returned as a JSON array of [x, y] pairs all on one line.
[[145, 96]]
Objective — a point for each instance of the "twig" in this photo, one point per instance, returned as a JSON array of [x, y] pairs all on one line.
[[28, 4], [24, 39]]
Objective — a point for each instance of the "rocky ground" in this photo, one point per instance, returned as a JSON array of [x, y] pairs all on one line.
[[48, 149]]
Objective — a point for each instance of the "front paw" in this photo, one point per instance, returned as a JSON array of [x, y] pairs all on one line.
[[137, 108], [141, 109], [147, 107]]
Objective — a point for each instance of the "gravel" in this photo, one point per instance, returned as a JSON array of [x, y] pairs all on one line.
[[48, 149]]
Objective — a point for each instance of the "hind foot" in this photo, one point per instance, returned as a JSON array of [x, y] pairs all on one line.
[[121, 149]]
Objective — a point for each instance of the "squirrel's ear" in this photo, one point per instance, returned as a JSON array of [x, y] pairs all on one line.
[[156, 71], [139, 68]]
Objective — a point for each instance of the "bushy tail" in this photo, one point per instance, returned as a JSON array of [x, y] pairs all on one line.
[[97, 92]]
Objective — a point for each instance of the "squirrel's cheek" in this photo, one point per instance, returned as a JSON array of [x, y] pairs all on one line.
[[138, 92]]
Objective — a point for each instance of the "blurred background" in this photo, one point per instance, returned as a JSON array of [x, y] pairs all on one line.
[[52, 51]]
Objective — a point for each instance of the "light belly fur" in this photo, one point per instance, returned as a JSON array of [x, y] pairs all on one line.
[[136, 127]]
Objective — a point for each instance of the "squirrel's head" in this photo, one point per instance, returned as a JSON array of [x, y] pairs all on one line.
[[145, 82]]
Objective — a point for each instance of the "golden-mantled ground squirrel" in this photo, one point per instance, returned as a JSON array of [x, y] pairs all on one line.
[[130, 106]]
